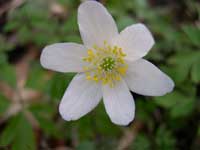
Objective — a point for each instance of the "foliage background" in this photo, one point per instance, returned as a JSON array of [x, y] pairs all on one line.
[[29, 95]]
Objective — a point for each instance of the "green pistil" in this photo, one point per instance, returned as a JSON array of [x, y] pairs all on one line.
[[108, 63]]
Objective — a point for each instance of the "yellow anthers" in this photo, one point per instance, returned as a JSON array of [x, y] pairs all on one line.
[[118, 78], [104, 81], [121, 53], [96, 79], [122, 70], [86, 59], [99, 68], [106, 64], [121, 60], [90, 53], [115, 51], [86, 68], [88, 77], [95, 46]]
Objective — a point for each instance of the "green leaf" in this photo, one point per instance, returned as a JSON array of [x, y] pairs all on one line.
[[84, 126], [19, 133], [164, 139], [24, 139], [145, 112], [8, 75], [193, 33], [36, 78], [169, 100], [5, 45], [49, 126], [86, 145], [107, 143], [70, 24], [58, 84], [189, 89], [4, 104], [3, 59], [198, 132], [141, 143], [177, 103], [10, 130], [185, 58], [103, 125], [24, 35], [124, 21], [183, 108], [195, 73], [181, 65], [42, 109], [73, 38], [178, 73], [10, 26], [44, 115]]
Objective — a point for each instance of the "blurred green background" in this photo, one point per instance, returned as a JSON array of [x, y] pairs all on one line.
[[29, 94]]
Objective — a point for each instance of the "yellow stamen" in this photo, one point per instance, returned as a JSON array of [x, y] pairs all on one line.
[[106, 64]]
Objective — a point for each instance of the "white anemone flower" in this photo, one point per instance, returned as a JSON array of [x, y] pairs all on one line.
[[109, 65]]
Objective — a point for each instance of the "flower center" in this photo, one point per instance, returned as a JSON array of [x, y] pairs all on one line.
[[108, 63], [105, 64]]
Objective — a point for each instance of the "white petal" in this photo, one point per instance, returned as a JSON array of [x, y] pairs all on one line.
[[63, 57], [135, 40], [119, 103], [146, 79], [95, 24], [80, 98]]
